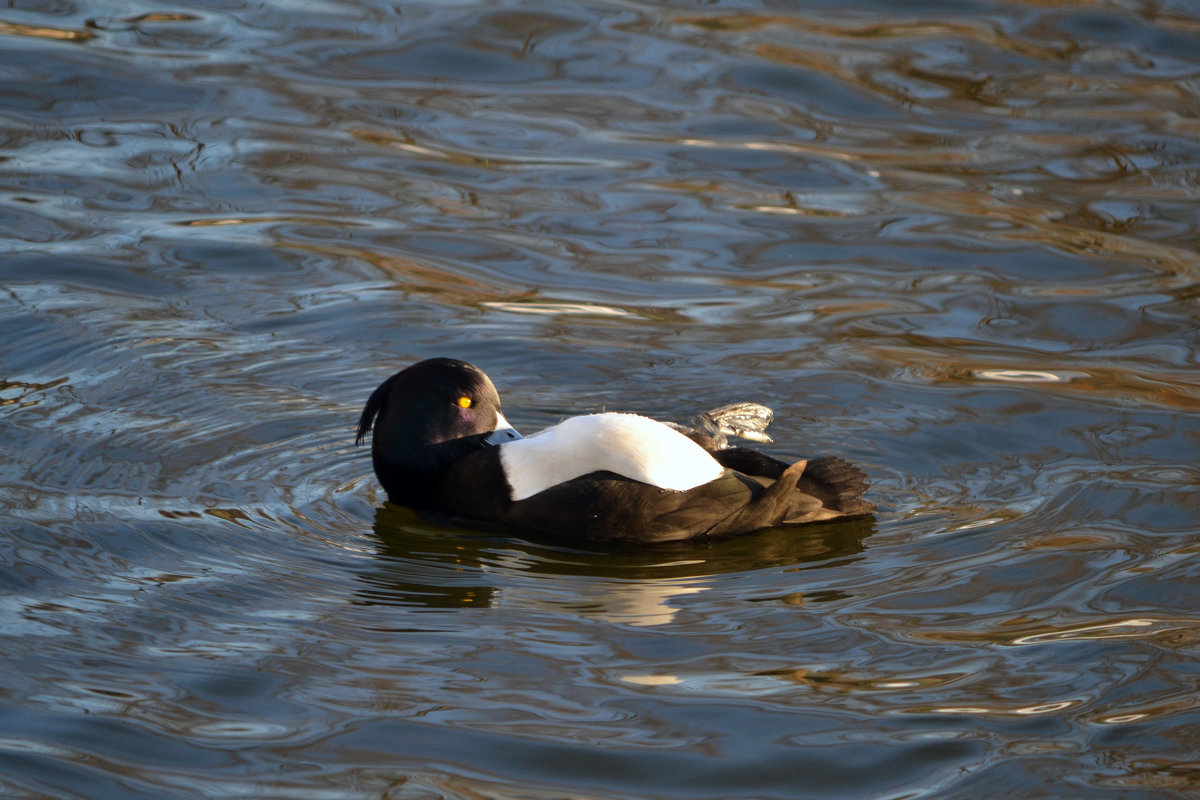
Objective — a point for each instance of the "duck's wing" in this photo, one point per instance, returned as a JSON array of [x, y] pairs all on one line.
[[604, 506], [724, 510]]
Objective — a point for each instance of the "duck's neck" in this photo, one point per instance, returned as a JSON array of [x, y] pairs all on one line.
[[414, 480], [407, 487]]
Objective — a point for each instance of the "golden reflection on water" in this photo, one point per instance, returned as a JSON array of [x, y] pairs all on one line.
[[24, 393], [42, 32], [652, 680], [845, 681], [940, 362]]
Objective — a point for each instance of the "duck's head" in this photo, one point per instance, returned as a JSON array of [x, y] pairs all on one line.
[[428, 415]]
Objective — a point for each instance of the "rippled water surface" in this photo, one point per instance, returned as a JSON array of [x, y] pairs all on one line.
[[953, 242]]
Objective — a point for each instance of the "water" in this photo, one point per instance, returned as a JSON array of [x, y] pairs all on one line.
[[956, 243]]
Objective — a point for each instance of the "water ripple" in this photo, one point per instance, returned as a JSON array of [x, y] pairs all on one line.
[[955, 246]]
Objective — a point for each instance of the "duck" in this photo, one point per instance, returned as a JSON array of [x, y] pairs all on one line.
[[440, 444]]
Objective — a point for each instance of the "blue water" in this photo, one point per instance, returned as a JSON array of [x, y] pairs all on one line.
[[954, 243]]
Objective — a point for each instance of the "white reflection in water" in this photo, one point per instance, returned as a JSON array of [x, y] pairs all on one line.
[[1119, 629], [638, 602], [1028, 375], [551, 309]]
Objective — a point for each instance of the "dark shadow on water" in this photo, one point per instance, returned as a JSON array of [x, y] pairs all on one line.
[[426, 564]]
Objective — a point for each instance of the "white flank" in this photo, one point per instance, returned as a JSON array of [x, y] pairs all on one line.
[[627, 444]]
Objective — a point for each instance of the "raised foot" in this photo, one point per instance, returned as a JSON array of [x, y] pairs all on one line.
[[742, 420]]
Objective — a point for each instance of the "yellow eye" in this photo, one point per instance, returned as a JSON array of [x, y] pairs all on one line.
[[464, 402]]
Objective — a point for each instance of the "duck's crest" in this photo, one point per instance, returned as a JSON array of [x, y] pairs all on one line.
[[374, 403]]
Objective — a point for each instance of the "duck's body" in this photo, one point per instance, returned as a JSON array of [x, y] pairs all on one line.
[[441, 444]]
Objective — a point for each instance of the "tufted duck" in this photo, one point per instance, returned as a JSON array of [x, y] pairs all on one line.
[[441, 444]]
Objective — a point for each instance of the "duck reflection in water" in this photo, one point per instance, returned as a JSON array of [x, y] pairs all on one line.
[[423, 565]]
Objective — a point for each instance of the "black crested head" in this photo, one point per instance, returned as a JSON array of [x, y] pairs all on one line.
[[424, 418]]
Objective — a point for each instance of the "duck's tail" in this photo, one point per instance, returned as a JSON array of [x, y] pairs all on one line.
[[839, 484]]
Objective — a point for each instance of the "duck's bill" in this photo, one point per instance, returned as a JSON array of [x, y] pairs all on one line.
[[504, 432]]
